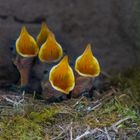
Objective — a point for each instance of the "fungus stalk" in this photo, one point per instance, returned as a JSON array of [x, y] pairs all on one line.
[[24, 66]]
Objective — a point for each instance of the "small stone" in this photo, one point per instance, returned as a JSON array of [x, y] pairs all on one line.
[[82, 84], [48, 92]]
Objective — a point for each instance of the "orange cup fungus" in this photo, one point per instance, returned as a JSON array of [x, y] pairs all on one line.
[[26, 46], [43, 34], [86, 64], [50, 51], [61, 76]]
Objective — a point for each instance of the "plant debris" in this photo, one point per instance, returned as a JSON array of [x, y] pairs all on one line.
[[111, 114]]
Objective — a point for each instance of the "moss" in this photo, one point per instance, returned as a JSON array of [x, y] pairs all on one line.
[[36, 121], [45, 115], [129, 84], [19, 128]]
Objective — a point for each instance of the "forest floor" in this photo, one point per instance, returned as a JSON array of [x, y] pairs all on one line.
[[112, 114]]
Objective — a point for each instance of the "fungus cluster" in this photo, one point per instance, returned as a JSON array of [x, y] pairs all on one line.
[[48, 50]]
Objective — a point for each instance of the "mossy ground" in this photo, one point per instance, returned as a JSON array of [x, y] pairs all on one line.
[[35, 120]]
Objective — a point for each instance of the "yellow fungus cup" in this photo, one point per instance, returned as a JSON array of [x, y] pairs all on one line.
[[26, 46], [50, 51], [61, 76], [86, 64], [43, 34]]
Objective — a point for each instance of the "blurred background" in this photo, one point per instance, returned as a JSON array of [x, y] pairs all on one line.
[[111, 26]]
